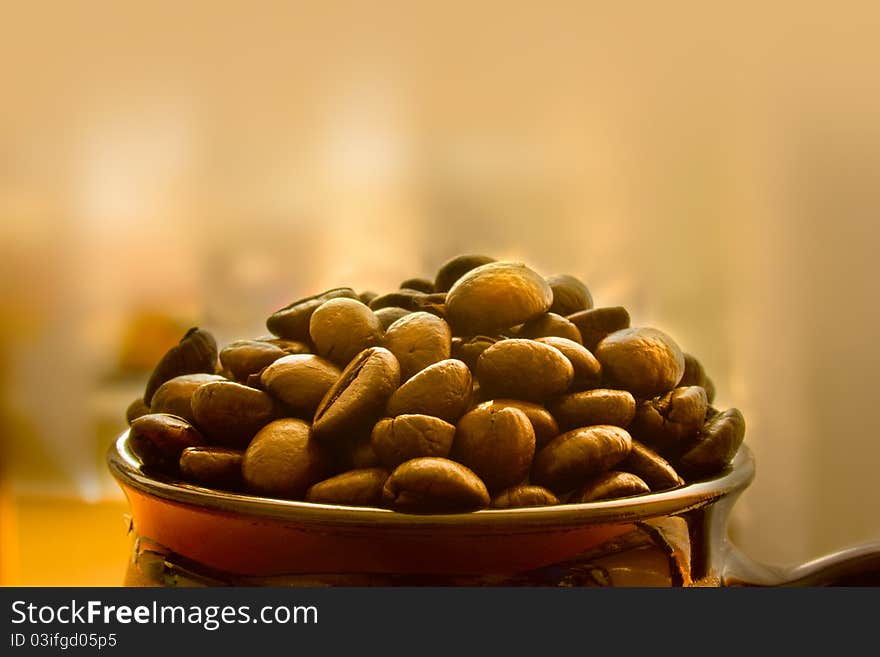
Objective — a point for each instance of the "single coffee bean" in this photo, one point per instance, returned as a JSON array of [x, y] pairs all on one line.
[[715, 445], [570, 295], [550, 324], [543, 424], [694, 374], [669, 421], [136, 409], [514, 293], [366, 296], [353, 488], [442, 389], [300, 382], [158, 439], [590, 407], [652, 468], [576, 456], [231, 413], [523, 496], [523, 369], [587, 370], [244, 357], [342, 328], [453, 269], [359, 396], [289, 347], [390, 314], [418, 340], [212, 467], [497, 443], [292, 321], [419, 284], [610, 485], [195, 353], [175, 395], [468, 350], [283, 460], [433, 484], [596, 323], [645, 361], [406, 437]]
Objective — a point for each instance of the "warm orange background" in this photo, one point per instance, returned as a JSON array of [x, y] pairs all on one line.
[[715, 169]]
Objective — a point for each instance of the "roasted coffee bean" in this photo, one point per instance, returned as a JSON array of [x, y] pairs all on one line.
[[523, 369], [576, 456], [442, 389], [495, 297], [549, 324], [359, 396], [300, 382], [231, 413], [433, 484], [667, 422], [497, 443], [652, 468], [158, 439], [406, 437], [610, 485], [587, 370], [289, 347], [596, 323], [543, 424], [292, 321], [418, 284], [418, 340], [570, 295], [353, 488], [245, 357], [390, 314], [175, 395], [136, 409], [283, 460], [451, 270], [645, 361], [195, 353], [694, 374], [599, 406], [523, 496], [212, 467], [468, 350], [412, 300], [366, 296], [710, 390], [715, 445], [342, 328]]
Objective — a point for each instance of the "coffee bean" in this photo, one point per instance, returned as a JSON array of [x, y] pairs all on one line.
[[231, 413], [543, 424], [523, 369], [453, 269], [342, 328], [599, 406], [715, 445], [652, 468], [300, 382], [412, 300], [570, 295], [550, 324], [523, 496], [283, 460], [433, 484], [709, 387], [195, 353], [244, 357], [645, 361], [390, 314], [587, 370], [136, 409], [175, 395], [418, 284], [610, 485], [576, 456], [406, 437], [669, 421], [366, 296], [158, 439], [212, 467], [468, 350], [289, 347], [442, 389], [596, 323], [292, 321], [694, 374], [418, 340], [353, 488]]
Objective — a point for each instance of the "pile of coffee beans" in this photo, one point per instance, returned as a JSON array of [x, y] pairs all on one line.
[[488, 386]]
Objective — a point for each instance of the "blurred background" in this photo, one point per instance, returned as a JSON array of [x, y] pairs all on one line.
[[715, 169]]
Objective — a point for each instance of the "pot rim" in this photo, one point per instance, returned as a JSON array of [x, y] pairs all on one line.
[[126, 469]]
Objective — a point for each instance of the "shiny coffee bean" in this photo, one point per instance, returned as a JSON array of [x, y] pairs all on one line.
[[300, 382], [418, 284], [453, 269], [574, 457], [596, 323], [245, 357], [522, 496], [433, 484], [610, 485], [570, 295], [645, 361], [514, 293], [353, 488], [671, 420], [292, 321], [543, 423], [136, 409], [418, 340], [175, 395], [523, 369], [212, 467], [599, 406], [195, 353], [442, 389], [587, 370], [283, 460], [468, 350], [359, 396], [715, 445], [231, 413], [406, 437], [390, 314], [342, 328], [497, 443], [652, 468], [158, 439], [549, 324]]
